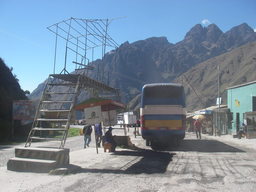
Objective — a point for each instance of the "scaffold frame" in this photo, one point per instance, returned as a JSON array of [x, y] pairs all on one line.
[[83, 41]]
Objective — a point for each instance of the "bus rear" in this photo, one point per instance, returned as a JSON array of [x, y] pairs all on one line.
[[163, 114]]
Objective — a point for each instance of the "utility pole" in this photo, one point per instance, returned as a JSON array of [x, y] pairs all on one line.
[[219, 100]]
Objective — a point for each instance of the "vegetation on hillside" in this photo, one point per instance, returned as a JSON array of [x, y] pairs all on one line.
[[9, 90]]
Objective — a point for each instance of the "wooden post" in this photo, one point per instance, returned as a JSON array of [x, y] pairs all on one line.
[[125, 133], [97, 150]]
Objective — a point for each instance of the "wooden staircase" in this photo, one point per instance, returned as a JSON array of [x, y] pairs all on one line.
[[54, 112], [51, 123]]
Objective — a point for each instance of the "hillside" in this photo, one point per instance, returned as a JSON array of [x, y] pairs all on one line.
[[236, 67]]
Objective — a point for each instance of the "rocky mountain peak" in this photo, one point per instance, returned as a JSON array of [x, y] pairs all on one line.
[[153, 42], [196, 33], [244, 28], [237, 36], [213, 33]]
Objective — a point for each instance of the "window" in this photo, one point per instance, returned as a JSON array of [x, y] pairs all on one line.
[[253, 103]]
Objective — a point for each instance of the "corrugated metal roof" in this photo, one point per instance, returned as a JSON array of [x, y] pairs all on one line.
[[241, 85], [205, 111], [162, 84]]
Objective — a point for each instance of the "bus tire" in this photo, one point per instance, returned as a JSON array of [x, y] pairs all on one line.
[[156, 146]]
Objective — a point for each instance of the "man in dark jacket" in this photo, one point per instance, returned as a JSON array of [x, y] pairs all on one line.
[[87, 135], [98, 133]]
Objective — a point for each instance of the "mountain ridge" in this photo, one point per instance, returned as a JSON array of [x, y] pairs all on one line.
[[132, 65]]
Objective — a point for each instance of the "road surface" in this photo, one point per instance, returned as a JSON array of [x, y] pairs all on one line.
[[196, 165]]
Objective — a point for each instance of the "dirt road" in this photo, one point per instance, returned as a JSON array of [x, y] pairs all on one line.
[[197, 165]]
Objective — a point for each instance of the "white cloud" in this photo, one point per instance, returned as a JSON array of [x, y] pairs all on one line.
[[254, 30], [205, 22]]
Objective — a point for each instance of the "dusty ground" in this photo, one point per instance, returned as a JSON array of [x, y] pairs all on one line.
[[197, 165]]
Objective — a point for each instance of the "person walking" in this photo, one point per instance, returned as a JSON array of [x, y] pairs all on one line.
[[98, 134], [198, 127], [87, 130]]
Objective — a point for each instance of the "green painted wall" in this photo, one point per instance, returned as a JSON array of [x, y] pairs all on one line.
[[239, 100]]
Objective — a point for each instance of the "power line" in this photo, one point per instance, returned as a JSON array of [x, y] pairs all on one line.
[[200, 98]]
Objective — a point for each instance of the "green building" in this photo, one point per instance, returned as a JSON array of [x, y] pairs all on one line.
[[240, 100]]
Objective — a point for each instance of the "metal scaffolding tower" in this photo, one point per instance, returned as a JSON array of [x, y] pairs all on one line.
[[83, 41], [77, 43]]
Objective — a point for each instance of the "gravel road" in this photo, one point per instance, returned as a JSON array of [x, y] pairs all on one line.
[[196, 165]]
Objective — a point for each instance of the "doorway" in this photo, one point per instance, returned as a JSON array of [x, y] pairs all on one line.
[[237, 122]]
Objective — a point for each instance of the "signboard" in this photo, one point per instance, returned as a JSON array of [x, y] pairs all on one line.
[[109, 118], [237, 103], [23, 110], [93, 115], [218, 101]]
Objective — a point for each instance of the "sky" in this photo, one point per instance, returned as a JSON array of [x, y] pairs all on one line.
[[28, 47]]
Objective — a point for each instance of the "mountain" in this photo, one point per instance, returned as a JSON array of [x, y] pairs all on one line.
[[200, 81], [10, 90], [132, 65], [157, 60]]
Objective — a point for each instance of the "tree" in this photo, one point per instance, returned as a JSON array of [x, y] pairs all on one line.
[[10, 90]]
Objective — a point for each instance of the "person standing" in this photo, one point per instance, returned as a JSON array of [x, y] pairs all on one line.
[[198, 127], [98, 134], [87, 135]]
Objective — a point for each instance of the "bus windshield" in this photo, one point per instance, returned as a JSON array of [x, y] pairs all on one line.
[[163, 95]]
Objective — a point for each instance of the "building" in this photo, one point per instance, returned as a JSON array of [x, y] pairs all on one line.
[[241, 99], [215, 121]]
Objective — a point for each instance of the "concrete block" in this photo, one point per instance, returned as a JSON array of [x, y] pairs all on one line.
[[30, 165], [122, 140], [29, 159], [61, 156]]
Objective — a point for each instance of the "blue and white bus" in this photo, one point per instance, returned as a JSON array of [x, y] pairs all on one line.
[[163, 114]]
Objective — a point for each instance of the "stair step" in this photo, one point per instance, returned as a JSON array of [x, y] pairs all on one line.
[[65, 93], [61, 84], [30, 165], [57, 101], [33, 160], [49, 129], [45, 139], [54, 110], [52, 120], [61, 156]]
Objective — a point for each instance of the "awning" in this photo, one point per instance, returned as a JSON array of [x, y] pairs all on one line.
[[106, 104]]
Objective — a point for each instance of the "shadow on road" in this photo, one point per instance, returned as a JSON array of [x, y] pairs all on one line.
[[156, 162], [5, 147], [151, 163], [205, 146]]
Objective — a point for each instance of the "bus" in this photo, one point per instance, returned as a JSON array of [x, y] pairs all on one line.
[[163, 114]]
